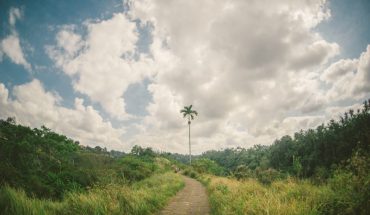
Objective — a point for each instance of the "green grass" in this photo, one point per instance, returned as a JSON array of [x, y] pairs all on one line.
[[144, 197], [229, 196]]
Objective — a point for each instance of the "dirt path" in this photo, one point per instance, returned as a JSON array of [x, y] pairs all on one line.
[[192, 200]]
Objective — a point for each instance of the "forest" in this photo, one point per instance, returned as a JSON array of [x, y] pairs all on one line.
[[325, 170]]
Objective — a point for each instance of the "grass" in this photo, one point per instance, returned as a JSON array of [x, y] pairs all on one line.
[[144, 197], [229, 196]]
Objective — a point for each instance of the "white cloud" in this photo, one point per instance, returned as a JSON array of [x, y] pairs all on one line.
[[244, 63], [33, 106], [10, 45], [338, 69], [14, 14], [103, 63], [348, 79], [255, 70]]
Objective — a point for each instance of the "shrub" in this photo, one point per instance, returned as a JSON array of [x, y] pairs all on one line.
[[267, 176], [242, 172], [351, 187], [190, 172], [205, 165], [135, 168]]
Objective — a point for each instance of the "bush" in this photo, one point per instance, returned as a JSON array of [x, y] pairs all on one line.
[[190, 172], [205, 165], [351, 187], [242, 172], [267, 176], [135, 168], [320, 176]]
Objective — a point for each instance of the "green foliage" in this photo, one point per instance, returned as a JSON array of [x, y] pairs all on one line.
[[38, 160], [39, 166], [297, 166], [142, 152], [309, 154], [341, 148], [267, 176], [351, 187], [188, 112], [282, 153], [205, 165], [189, 171], [242, 172], [144, 197], [135, 168], [230, 159]]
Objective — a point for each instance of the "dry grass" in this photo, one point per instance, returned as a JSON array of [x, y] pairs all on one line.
[[144, 197], [229, 196]]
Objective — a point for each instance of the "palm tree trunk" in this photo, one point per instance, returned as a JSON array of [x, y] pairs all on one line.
[[189, 145]]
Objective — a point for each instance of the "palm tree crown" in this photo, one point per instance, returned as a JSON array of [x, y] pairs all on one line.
[[188, 112]]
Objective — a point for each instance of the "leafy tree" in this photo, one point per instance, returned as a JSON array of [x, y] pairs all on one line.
[[205, 165]]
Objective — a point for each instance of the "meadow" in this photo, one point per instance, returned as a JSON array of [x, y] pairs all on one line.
[[144, 197], [289, 196]]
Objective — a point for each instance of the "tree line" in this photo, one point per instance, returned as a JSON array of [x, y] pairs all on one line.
[[48, 165], [314, 152]]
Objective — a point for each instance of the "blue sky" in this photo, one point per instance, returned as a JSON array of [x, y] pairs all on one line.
[[176, 54], [347, 26]]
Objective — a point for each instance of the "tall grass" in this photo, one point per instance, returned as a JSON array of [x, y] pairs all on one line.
[[143, 197], [229, 196]]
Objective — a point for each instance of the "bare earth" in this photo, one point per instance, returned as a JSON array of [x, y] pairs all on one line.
[[192, 200]]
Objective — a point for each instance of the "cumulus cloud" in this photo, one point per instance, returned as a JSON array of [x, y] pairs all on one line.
[[254, 70], [33, 106], [103, 63], [10, 45], [348, 78], [244, 63]]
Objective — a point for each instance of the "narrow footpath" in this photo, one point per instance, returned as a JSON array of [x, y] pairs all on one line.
[[192, 200]]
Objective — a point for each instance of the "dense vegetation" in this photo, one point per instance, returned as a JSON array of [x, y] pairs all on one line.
[[345, 192], [319, 171], [312, 153], [230, 196], [43, 172], [143, 197]]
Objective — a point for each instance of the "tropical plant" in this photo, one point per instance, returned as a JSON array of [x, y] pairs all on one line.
[[189, 113]]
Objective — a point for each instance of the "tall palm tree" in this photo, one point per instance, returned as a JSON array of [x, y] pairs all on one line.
[[189, 113]]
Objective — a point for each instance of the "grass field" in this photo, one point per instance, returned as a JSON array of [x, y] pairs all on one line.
[[230, 196], [144, 197]]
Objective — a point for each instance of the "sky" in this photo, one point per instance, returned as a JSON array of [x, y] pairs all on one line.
[[116, 73]]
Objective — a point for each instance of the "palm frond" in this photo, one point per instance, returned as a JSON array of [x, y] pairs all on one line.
[[187, 111]]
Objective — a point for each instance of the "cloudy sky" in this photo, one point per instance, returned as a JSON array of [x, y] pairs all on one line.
[[116, 73]]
